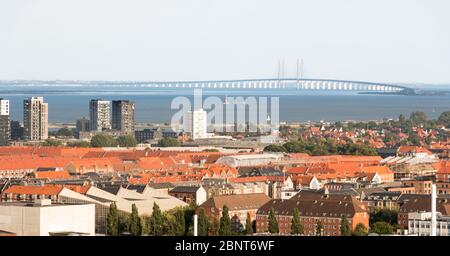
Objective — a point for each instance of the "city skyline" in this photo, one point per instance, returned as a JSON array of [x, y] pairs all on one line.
[[404, 41]]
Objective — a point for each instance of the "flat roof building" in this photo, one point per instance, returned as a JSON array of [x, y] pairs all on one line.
[[42, 218]]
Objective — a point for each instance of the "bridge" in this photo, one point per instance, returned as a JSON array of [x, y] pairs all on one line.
[[284, 83]]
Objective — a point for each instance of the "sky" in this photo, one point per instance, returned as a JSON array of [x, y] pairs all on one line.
[[172, 40]]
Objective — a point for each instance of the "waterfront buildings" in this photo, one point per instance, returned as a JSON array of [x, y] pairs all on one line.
[[123, 116], [35, 119], [83, 125], [196, 124], [99, 113], [17, 130], [5, 132]]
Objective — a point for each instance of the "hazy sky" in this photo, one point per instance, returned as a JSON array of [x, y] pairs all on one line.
[[372, 40]]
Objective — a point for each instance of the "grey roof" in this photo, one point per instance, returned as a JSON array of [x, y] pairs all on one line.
[[213, 182], [267, 171], [162, 185], [390, 194], [111, 188], [137, 188], [185, 189]]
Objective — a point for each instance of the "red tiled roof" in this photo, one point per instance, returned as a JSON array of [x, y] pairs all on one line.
[[34, 190]]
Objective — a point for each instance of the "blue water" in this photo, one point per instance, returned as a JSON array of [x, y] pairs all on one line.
[[66, 104]]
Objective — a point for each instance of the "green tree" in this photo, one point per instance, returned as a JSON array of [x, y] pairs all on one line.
[[134, 222], [274, 148], [123, 224], [382, 227], [79, 144], [168, 142], [103, 140], [145, 224], [418, 117], [180, 222], [319, 228], [345, 227], [64, 132], [444, 118], [360, 230], [189, 212], [401, 118], [386, 215], [214, 227], [296, 226], [249, 225], [52, 143], [414, 140], [156, 221], [127, 141], [225, 223], [273, 223], [203, 223], [112, 220]]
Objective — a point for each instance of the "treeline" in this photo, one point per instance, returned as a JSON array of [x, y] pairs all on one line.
[[321, 147], [176, 222], [97, 141], [104, 140]]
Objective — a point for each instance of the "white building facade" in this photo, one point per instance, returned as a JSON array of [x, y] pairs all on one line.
[[99, 114], [419, 223], [195, 122], [35, 118], [45, 219]]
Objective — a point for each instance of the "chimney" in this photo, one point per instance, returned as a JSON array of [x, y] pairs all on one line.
[[433, 209]]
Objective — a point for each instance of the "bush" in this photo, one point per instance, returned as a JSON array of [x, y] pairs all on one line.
[[168, 142], [103, 140], [127, 141]]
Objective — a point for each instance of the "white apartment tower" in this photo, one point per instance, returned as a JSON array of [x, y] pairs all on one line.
[[35, 119], [195, 122], [99, 113]]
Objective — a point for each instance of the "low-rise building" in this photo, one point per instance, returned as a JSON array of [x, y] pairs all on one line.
[[189, 194], [419, 223], [44, 218], [238, 207]]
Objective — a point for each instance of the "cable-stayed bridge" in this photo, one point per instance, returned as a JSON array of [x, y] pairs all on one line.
[[276, 83]]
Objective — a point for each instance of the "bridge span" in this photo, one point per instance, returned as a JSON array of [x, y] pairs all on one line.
[[285, 83]]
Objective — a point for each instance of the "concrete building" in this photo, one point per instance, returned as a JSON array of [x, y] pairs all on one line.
[[83, 125], [419, 223], [42, 218], [99, 113], [249, 160], [196, 124], [5, 131], [17, 130], [123, 116], [35, 119]]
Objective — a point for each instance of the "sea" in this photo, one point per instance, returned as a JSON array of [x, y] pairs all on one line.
[[153, 105]]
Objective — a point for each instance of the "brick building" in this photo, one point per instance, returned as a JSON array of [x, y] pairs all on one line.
[[314, 207], [238, 205]]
